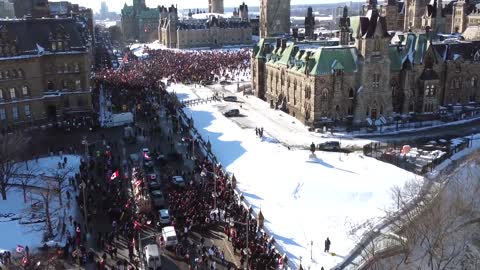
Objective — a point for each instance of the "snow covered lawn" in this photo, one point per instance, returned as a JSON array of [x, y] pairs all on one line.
[[303, 199], [12, 232]]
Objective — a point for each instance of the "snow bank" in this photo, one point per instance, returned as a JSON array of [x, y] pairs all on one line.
[[303, 199]]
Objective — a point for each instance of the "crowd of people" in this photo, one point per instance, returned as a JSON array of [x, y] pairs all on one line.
[[177, 67]]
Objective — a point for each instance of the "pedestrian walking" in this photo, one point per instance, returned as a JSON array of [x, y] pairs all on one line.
[[327, 245]]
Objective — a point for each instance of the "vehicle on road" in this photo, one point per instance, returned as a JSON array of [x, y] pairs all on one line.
[[152, 257], [157, 198], [164, 216], [147, 158], [169, 236], [232, 113], [329, 146], [178, 181], [230, 98]]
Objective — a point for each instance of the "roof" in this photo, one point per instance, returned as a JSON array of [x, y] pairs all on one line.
[[169, 230], [453, 51], [329, 58], [151, 13], [395, 58], [29, 32], [152, 250]]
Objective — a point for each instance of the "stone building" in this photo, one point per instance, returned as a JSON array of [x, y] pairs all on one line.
[[44, 71], [370, 78], [274, 17], [6, 9], [209, 32], [309, 24], [140, 22], [34, 8]]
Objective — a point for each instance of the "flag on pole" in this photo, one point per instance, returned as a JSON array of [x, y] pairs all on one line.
[[19, 249], [137, 183], [114, 175]]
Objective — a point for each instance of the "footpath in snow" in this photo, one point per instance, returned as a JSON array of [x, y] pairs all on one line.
[[15, 213], [304, 200]]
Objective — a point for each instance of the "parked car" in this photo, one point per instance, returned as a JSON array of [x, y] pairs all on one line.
[[152, 257], [164, 216], [230, 98], [169, 236], [178, 181], [157, 198], [232, 113], [147, 158], [329, 146]]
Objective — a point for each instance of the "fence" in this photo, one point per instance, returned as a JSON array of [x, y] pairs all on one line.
[[206, 151]]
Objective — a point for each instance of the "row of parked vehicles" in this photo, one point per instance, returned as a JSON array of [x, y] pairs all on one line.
[[167, 237]]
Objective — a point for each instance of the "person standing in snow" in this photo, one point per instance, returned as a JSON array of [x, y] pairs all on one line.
[[327, 245]]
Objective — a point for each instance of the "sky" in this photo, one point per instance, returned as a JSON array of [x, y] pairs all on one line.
[[116, 5]]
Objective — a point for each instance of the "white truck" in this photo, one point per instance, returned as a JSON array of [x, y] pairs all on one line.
[[153, 260]]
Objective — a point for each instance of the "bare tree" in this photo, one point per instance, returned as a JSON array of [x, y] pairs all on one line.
[[11, 145], [26, 180], [61, 179]]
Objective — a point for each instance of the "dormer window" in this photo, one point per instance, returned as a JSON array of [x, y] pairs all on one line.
[[60, 46], [54, 46]]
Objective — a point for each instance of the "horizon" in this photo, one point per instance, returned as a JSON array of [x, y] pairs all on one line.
[[116, 5]]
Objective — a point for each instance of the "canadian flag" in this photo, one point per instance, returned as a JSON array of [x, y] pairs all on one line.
[[114, 175], [19, 249], [137, 183], [136, 225]]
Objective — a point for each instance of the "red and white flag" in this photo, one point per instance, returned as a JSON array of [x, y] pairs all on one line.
[[114, 175], [138, 183], [19, 249], [136, 225]]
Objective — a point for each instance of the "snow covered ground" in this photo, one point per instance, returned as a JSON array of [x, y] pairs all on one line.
[[303, 199], [138, 48], [257, 113], [12, 233]]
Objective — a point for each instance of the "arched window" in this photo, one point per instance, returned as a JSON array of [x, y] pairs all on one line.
[[350, 93], [1, 94], [25, 90], [14, 73], [1, 75], [13, 93], [7, 74], [474, 81], [21, 74]]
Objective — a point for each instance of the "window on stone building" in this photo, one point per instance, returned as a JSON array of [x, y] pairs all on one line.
[[307, 93], [1, 75], [474, 81], [14, 73], [476, 57], [430, 90], [76, 67], [350, 93], [54, 45], [458, 68], [66, 68], [64, 84], [7, 74], [26, 109], [381, 109], [1, 94], [377, 44], [78, 84], [24, 90], [3, 115], [13, 93], [60, 46], [367, 112], [50, 86], [21, 74], [376, 80], [14, 112]]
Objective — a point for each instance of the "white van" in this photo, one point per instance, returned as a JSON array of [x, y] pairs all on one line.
[[152, 257], [169, 236]]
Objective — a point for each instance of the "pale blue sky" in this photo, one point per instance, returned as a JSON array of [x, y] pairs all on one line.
[[116, 5]]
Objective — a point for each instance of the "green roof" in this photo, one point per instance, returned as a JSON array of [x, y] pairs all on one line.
[[329, 58], [286, 55], [151, 13], [420, 48], [395, 58]]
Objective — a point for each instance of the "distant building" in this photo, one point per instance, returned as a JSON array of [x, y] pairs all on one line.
[[211, 31], [274, 17], [103, 10], [309, 24], [140, 22], [6, 9], [44, 71]]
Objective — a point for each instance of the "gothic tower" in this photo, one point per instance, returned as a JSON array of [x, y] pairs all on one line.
[[243, 10], [459, 17], [344, 27], [40, 9], [309, 24], [414, 11], [391, 12], [274, 17], [215, 6]]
